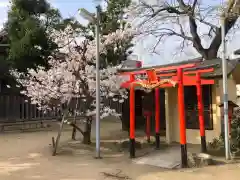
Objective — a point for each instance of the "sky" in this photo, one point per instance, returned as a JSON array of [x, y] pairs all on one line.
[[69, 8]]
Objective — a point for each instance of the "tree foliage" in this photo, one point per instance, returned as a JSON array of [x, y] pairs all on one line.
[[72, 70], [111, 20], [182, 19], [72, 75], [30, 22], [235, 131], [28, 25], [234, 138]]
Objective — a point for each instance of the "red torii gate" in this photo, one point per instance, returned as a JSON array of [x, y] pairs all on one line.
[[183, 75]]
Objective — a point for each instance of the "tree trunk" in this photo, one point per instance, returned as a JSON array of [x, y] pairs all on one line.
[[87, 131], [74, 121], [210, 54], [55, 144]]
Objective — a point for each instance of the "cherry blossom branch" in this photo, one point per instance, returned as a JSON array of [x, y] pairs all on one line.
[[72, 73]]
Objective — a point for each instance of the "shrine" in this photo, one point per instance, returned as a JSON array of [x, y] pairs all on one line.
[[192, 92]]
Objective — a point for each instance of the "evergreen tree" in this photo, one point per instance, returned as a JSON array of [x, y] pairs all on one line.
[[29, 22], [111, 20]]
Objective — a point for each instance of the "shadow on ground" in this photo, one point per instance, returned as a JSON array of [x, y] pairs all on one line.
[[28, 156]]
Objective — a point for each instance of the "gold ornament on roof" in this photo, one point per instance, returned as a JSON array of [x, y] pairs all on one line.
[[153, 85]]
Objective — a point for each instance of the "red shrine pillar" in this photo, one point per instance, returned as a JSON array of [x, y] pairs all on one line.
[[132, 122], [152, 77], [147, 114], [181, 111], [201, 114], [157, 118]]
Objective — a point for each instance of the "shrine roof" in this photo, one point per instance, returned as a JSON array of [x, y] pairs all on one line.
[[237, 52], [200, 63]]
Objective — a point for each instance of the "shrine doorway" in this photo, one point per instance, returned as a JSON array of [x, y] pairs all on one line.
[[145, 101]]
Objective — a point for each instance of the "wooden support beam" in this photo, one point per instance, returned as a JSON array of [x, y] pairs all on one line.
[[200, 113], [182, 126], [132, 122], [157, 117]]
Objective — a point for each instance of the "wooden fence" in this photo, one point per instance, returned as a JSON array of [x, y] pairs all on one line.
[[16, 108]]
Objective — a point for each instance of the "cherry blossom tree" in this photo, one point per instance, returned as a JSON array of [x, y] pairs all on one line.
[[72, 75]]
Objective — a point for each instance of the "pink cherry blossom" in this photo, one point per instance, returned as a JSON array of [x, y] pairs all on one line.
[[72, 73]]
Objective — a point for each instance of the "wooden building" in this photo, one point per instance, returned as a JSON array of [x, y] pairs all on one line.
[[169, 119]]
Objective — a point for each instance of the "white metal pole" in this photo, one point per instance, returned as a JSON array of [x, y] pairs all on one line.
[[225, 88], [97, 85]]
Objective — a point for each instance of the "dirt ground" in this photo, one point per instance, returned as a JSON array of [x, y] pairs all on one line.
[[27, 156]]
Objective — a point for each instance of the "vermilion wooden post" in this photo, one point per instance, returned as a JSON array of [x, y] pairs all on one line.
[[181, 111], [132, 77], [157, 118], [201, 114], [148, 116], [132, 122], [152, 76]]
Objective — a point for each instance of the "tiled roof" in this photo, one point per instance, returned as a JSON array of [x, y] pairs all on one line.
[[200, 63], [237, 52], [217, 64]]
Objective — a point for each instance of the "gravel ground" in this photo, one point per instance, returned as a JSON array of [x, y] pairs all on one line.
[[27, 156]]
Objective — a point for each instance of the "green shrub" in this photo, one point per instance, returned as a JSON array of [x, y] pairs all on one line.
[[219, 142], [235, 132]]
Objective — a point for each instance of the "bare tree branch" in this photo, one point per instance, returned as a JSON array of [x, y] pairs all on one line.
[[161, 21], [207, 23], [194, 4], [183, 6], [217, 40], [197, 43], [168, 32], [181, 28]]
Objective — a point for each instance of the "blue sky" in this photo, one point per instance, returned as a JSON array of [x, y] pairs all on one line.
[[69, 8]]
